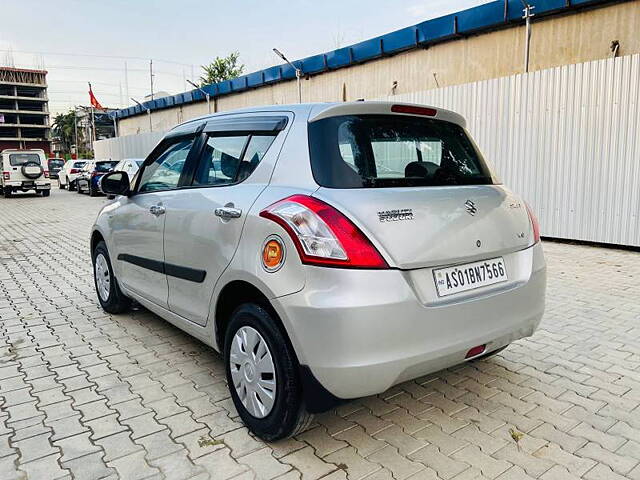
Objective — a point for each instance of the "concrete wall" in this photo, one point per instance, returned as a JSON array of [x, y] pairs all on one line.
[[559, 40]]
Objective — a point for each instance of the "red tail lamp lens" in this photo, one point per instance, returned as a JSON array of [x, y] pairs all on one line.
[[322, 235]]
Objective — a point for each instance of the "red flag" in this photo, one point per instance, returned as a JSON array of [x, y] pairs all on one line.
[[94, 101]]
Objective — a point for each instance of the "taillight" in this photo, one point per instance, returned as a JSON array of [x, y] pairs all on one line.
[[46, 174], [534, 224], [6, 175], [322, 235], [93, 174], [74, 170]]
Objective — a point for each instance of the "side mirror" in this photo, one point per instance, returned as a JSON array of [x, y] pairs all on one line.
[[115, 183]]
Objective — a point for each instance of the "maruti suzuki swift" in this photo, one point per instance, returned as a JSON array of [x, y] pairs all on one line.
[[327, 251]]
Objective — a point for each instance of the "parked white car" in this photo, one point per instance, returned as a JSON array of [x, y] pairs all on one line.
[[129, 165], [328, 251], [24, 170], [69, 173]]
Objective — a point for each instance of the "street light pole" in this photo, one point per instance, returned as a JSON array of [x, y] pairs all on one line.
[[527, 18], [298, 72], [207, 96], [148, 113]]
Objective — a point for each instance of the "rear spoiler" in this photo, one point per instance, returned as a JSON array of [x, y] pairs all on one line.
[[384, 108]]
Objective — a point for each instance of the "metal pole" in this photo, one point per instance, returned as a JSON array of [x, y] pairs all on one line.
[[150, 124], [75, 126], [115, 126], [527, 42], [299, 78], [151, 76], [206, 95], [93, 132]]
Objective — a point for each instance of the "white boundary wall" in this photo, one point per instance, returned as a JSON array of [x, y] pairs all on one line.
[[566, 138], [131, 146]]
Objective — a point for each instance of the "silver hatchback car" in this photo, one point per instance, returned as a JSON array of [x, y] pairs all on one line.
[[328, 251]]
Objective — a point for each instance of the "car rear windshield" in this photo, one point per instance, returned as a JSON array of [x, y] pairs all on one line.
[[56, 163], [16, 159], [79, 164], [376, 151], [105, 166]]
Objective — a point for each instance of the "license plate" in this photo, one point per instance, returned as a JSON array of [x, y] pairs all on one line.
[[461, 278]]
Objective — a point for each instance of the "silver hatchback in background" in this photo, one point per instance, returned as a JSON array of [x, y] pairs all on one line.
[[328, 251]]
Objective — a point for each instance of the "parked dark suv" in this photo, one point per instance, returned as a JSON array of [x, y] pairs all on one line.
[[88, 177], [55, 165]]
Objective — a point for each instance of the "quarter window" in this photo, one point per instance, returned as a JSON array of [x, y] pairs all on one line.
[[164, 173], [229, 160]]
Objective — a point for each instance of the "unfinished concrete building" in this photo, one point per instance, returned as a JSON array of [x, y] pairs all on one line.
[[24, 110]]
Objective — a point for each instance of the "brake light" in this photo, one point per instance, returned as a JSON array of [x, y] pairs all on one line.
[[93, 174], [414, 110], [46, 174], [322, 235], [534, 224], [74, 170], [6, 175]]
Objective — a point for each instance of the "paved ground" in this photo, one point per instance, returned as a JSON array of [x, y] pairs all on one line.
[[88, 395]]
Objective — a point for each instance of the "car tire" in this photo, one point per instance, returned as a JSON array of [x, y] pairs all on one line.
[[46, 193], [286, 415], [78, 189], [70, 186], [7, 192], [112, 300], [60, 185], [92, 191]]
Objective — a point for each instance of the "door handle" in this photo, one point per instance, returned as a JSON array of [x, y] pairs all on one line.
[[228, 212], [157, 210]]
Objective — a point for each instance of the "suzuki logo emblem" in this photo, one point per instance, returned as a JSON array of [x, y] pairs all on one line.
[[471, 207]]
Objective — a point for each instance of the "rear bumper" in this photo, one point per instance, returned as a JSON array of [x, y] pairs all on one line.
[[28, 185], [361, 331]]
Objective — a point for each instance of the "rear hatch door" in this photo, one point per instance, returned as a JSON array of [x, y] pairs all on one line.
[[417, 186]]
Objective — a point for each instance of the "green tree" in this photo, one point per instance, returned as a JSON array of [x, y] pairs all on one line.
[[222, 69], [63, 129]]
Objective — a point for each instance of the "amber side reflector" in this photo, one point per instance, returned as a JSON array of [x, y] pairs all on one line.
[[413, 110], [475, 351], [272, 254]]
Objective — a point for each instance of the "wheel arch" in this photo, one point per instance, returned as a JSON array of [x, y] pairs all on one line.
[[231, 296], [96, 237]]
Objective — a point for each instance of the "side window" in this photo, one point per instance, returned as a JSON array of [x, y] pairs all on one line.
[[256, 150], [164, 173], [223, 161]]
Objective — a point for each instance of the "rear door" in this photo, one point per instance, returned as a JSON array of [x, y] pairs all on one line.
[[418, 187], [205, 220], [138, 226]]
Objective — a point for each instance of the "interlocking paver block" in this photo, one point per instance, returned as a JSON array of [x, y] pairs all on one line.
[[263, 464], [133, 466]]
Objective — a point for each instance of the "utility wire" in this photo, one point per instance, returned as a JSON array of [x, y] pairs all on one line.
[[96, 56]]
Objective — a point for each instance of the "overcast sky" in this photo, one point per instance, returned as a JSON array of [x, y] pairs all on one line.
[[182, 35]]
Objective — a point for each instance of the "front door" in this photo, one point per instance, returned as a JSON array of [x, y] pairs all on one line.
[[140, 221], [204, 221]]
